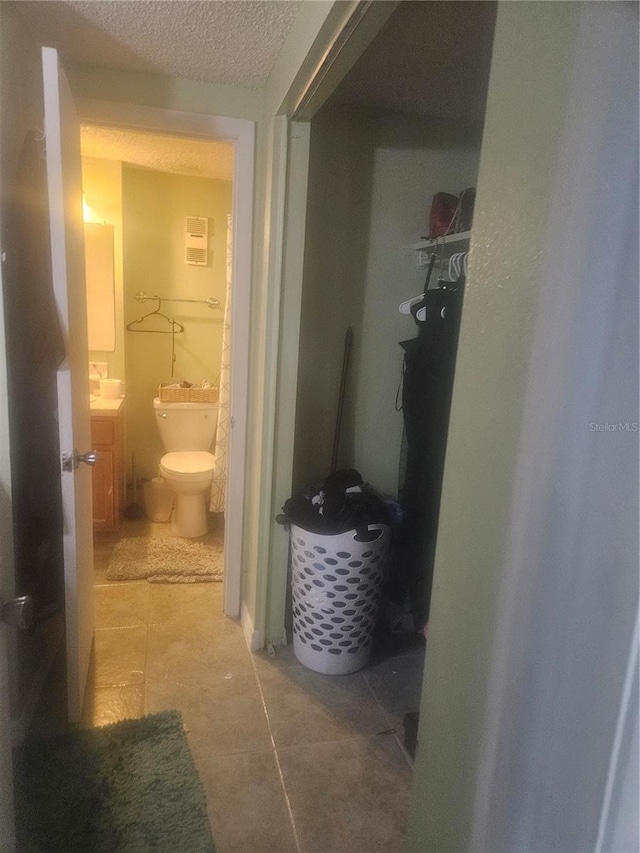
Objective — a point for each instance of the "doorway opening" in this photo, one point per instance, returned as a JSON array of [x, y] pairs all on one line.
[[230, 154], [395, 133], [158, 304]]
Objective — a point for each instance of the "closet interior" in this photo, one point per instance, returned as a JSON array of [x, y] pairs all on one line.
[[404, 125]]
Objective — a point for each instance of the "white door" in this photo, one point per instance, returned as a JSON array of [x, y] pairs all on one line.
[[64, 180]]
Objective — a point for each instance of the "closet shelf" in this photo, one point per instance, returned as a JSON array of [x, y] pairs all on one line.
[[438, 241]]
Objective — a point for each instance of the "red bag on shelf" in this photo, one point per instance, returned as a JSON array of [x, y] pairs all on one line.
[[443, 209]]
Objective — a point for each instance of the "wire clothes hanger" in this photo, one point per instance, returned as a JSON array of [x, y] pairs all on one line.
[[176, 328]]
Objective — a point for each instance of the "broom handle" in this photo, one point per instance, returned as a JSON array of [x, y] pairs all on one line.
[[343, 384]]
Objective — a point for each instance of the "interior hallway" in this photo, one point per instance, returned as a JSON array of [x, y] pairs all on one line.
[[291, 761]]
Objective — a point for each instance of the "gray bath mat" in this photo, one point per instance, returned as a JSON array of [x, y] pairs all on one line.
[[165, 559]]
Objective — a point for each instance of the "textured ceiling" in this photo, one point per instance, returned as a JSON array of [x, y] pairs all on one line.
[[179, 155], [230, 42]]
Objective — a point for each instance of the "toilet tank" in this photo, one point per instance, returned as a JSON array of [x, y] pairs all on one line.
[[186, 426]]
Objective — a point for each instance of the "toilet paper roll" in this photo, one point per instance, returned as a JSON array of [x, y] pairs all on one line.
[[110, 389]]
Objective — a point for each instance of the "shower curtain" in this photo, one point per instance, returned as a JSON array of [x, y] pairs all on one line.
[[219, 482]]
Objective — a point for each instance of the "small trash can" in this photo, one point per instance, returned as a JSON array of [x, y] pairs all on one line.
[[158, 500], [336, 584]]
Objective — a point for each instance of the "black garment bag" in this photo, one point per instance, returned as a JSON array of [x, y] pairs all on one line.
[[429, 363]]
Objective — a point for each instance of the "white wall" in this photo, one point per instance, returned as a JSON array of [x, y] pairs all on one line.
[[536, 588]]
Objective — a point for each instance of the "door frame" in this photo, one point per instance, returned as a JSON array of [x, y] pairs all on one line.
[[241, 134], [348, 30]]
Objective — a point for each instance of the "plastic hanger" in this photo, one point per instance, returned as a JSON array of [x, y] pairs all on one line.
[[405, 307], [457, 271], [443, 287], [418, 303], [458, 265]]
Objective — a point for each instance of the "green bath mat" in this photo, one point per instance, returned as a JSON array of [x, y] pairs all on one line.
[[126, 788]]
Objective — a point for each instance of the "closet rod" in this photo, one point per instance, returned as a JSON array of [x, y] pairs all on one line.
[[211, 301]]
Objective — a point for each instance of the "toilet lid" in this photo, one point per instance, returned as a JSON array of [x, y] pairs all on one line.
[[188, 461]]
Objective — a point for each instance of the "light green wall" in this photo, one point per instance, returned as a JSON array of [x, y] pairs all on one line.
[[155, 206], [333, 288], [526, 106], [409, 164], [372, 176], [168, 93], [102, 189]]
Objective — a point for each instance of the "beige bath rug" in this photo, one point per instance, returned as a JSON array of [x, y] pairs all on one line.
[[165, 559]]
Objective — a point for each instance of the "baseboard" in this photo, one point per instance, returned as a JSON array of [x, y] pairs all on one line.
[[252, 637]]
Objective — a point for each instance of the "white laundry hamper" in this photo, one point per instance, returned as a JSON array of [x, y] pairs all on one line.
[[336, 583]]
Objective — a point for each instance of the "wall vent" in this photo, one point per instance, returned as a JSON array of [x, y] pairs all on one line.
[[196, 241]]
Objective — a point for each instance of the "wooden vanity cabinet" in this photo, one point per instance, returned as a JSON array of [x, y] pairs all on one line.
[[107, 438]]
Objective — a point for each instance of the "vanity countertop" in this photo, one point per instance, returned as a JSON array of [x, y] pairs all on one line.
[[104, 407]]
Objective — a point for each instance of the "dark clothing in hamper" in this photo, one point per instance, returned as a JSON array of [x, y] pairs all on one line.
[[342, 502]]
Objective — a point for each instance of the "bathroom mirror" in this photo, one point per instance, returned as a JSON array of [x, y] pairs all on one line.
[[99, 266]]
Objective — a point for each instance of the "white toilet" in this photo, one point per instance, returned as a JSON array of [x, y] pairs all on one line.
[[187, 431]]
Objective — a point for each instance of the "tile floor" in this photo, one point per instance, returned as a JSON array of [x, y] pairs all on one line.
[[291, 761]]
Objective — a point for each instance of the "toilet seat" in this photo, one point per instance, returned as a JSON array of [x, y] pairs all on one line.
[[188, 464]]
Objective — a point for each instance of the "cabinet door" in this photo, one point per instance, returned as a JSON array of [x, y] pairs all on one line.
[[103, 490]]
